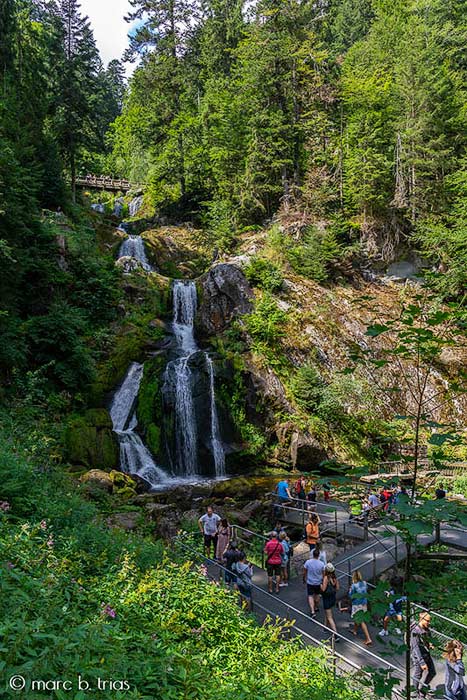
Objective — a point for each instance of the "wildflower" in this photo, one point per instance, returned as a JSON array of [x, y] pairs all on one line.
[[5, 506], [50, 542], [43, 525], [109, 611], [203, 570], [10, 565]]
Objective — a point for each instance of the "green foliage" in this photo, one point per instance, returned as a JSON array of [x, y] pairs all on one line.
[[264, 274], [307, 387], [78, 598], [314, 257], [266, 323]]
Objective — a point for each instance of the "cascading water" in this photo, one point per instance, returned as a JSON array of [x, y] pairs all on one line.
[[179, 380], [135, 205], [135, 458], [133, 247]]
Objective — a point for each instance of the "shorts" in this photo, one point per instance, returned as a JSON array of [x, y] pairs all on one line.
[[312, 589], [230, 577], [273, 569], [243, 590], [329, 601], [210, 539], [393, 613], [361, 607]]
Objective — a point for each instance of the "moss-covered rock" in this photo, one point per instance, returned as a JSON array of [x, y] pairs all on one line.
[[149, 409], [176, 251], [90, 441]]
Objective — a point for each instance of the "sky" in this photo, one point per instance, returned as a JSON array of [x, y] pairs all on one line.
[[109, 27]]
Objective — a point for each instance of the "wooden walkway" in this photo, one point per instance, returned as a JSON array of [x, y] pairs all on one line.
[[93, 182]]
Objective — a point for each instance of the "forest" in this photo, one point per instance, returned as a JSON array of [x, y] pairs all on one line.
[[273, 292]]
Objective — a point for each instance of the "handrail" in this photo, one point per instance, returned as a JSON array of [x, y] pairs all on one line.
[[296, 610]]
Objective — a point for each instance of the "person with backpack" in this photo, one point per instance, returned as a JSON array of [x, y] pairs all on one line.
[[358, 593], [420, 645], [274, 552], [454, 683], [231, 555], [244, 574], [329, 588], [394, 611]]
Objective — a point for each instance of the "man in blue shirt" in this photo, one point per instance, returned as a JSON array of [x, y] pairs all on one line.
[[283, 491]]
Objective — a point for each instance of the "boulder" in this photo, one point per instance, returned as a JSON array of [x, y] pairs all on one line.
[[305, 451], [128, 265], [238, 517], [99, 479], [90, 441], [225, 295], [125, 521], [252, 508]]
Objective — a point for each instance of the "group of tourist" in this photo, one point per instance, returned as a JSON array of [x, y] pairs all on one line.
[[322, 584], [306, 492]]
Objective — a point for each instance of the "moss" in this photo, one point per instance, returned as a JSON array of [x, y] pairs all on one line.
[[149, 409], [89, 441]]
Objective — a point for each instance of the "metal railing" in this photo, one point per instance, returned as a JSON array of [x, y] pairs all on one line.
[[328, 644]]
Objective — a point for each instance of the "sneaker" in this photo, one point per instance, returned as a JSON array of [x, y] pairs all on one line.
[[398, 631], [383, 633]]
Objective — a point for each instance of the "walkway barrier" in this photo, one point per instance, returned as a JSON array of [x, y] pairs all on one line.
[[339, 662]]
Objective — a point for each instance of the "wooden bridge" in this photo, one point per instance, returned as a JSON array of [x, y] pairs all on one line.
[[93, 182]]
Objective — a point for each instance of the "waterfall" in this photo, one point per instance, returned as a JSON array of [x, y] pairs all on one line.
[[179, 380], [135, 457], [135, 205], [216, 442], [133, 247]]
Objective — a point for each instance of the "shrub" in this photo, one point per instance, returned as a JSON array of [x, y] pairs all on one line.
[[266, 323], [308, 387], [264, 274], [314, 256]]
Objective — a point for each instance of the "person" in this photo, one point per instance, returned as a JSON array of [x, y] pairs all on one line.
[[274, 551], [394, 611], [208, 526], [311, 498], [283, 491], [440, 492], [454, 683], [300, 492], [373, 502], [322, 553], [279, 527], [420, 645], [358, 593], [329, 588], [327, 491], [224, 533], [312, 531], [355, 505], [313, 570], [285, 542], [244, 574], [229, 558]]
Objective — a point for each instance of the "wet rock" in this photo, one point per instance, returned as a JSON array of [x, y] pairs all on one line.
[[128, 264], [252, 508], [225, 295], [239, 517]]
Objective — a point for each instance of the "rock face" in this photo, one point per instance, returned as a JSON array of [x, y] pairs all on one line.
[[96, 478], [305, 451], [225, 294], [90, 441]]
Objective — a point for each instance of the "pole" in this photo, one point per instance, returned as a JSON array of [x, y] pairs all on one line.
[[349, 572], [374, 567], [335, 521], [345, 540], [365, 526], [395, 550]]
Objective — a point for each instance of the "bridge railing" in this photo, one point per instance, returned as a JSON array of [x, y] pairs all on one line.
[[291, 613]]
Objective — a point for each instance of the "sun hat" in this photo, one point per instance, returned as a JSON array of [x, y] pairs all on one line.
[[330, 568]]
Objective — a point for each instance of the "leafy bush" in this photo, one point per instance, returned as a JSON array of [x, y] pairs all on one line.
[[79, 599], [266, 323], [264, 274], [314, 256], [308, 387]]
